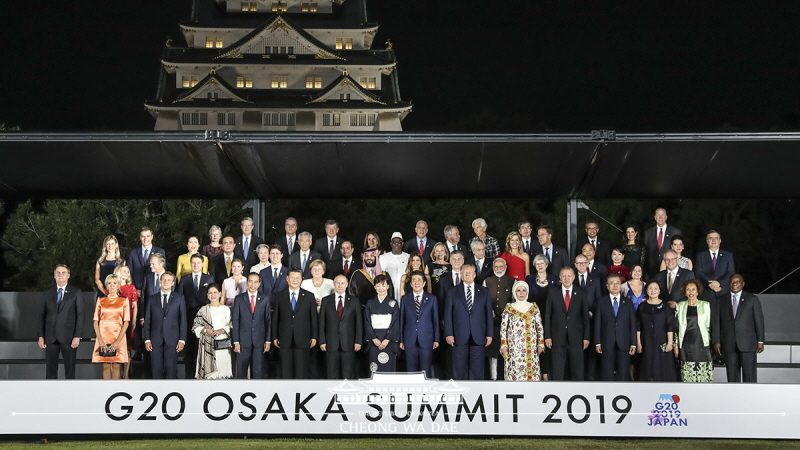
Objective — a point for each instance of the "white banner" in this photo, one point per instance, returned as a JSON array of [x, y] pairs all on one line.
[[400, 404]]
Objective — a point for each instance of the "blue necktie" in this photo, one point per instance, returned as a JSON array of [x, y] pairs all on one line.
[[60, 296], [294, 301], [616, 307]]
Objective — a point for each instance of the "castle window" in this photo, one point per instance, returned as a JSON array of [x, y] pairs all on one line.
[[362, 120], [348, 44], [226, 118], [278, 7], [339, 44], [244, 82], [331, 119], [249, 6], [194, 118], [368, 82], [313, 82], [279, 119], [280, 82], [188, 81], [309, 7]]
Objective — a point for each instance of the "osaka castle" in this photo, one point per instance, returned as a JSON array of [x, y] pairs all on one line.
[[285, 65]]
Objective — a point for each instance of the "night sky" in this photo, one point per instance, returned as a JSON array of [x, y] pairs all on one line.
[[510, 66]]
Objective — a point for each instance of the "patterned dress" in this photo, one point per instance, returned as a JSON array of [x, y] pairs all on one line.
[[522, 332]]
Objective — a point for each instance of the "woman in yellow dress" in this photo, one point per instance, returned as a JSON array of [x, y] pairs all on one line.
[[185, 260]]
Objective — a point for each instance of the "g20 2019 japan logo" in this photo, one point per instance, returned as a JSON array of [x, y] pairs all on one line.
[[667, 413]]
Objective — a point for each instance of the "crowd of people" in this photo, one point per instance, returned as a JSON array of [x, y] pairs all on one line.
[[518, 308]]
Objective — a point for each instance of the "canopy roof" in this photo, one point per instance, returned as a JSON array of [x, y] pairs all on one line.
[[216, 164]]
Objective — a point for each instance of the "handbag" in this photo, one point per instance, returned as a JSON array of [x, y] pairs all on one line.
[[107, 351], [222, 344]]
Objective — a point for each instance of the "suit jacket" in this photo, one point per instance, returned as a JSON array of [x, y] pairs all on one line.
[[485, 272], [603, 252], [445, 286], [251, 329], [567, 328], [296, 263], [195, 299], [619, 330], [412, 245], [139, 267], [271, 286], [743, 332], [424, 329], [723, 273], [558, 259], [251, 258], [462, 248], [321, 246], [219, 269], [149, 288], [281, 240], [62, 323], [294, 328], [654, 257], [593, 289], [462, 324], [336, 267], [340, 333], [680, 277], [165, 327]]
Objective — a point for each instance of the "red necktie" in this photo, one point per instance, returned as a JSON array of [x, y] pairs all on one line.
[[252, 303], [566, 299], [346, 267], [660, 238], [340, 307], [421, 247]]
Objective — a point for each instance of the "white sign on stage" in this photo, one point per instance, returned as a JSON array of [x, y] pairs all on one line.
[[404, 404]]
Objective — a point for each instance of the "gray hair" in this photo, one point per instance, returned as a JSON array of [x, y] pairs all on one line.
[[479, 221]]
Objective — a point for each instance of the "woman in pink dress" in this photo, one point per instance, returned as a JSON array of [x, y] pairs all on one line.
[[518, 262], [112, 315]]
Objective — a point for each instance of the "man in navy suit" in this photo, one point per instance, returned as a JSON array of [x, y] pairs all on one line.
[[657, 241], [557, 256], [302, 259], [738, 332], [164, 330], [420, 243], [468, 325], [273, 277], [288, 242], [294, 326], [341, 331], [566, 327], [251, 329], [592, 286], [601, 247], [594, 268], [139, 259], [346, 265], [329, 246], [528, 242], [247, 245], [61, 324], [194, 287], [419, 325], [453, 243], [615, 332], [672, 278], [714, 267], [483, 265]]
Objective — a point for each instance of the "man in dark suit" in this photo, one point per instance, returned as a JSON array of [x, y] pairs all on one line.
[[246, 245], [251, 329], [329, 247], [714, 267], [420, 243], [447, 282], [566, 327], [221, 264], [738, 332], [341, 331], [194, 287], [273, 277], [594, 268], [528, 243], [601, 247], [468, 325], [615, 332], [592, 286], [294, 327], [483, 265], [164, 330], [288, 242], [672, 278], [453, 243], [61, 324], [556, 256], [419, 325], [657, 241], [345, 265], [139, 259], [302, 259], [151, 286]]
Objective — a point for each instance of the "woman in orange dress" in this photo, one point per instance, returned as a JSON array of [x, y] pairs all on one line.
[[112, 315], [128, 290], [519, 263]]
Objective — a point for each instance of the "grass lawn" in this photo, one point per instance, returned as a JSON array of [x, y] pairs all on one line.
[[405, 443]]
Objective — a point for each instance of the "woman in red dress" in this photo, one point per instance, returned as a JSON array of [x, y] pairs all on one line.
[[519, 263]]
